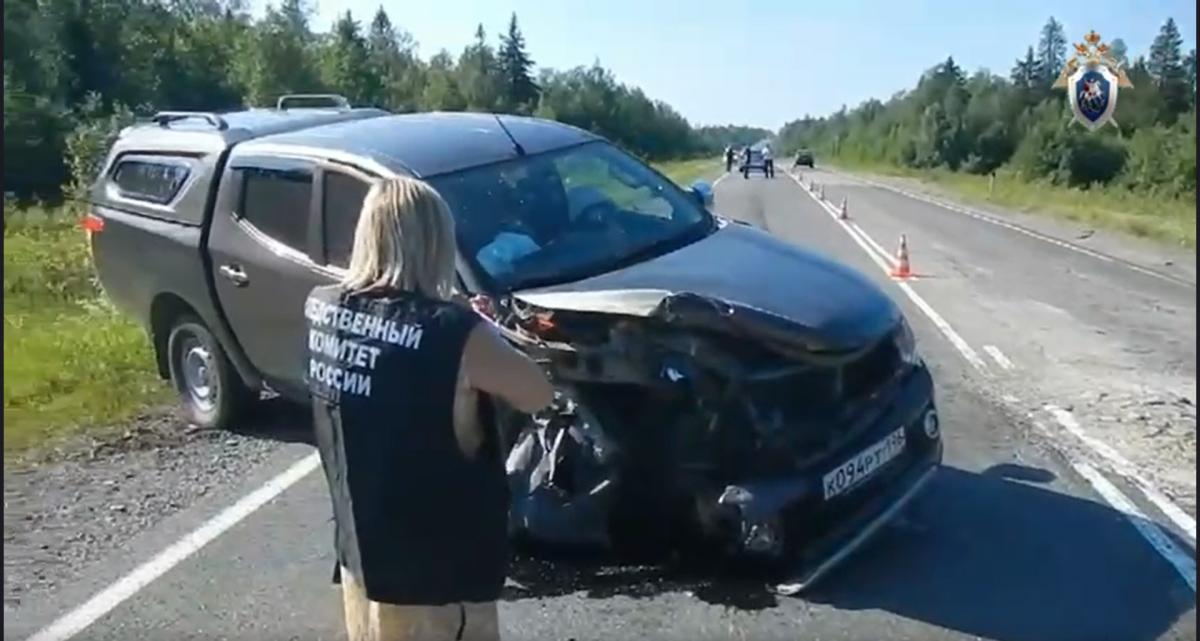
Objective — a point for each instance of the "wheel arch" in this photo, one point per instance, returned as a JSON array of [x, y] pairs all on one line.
[[166, 309]]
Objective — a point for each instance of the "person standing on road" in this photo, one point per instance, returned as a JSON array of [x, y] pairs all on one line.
[[400, 370], [728, 157], [768, 162]]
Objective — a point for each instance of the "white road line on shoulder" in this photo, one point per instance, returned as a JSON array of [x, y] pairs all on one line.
[[110, 597], [1126, 468], [998, 356], [880, 250], [864, 241], [1183, 564], [978, 215]]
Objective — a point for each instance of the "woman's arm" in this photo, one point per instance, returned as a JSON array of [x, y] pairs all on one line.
[[495, 367]]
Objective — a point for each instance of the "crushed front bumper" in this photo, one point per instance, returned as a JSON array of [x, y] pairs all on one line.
[[790, 520]]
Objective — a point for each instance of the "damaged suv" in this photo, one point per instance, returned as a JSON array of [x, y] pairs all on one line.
[[716, 385]]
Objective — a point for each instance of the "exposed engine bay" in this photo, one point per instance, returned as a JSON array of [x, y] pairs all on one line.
[[690, 420]]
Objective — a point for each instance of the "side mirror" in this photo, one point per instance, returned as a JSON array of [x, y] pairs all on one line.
[[703, 193]]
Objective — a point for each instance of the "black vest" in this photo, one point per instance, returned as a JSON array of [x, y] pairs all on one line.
[[418, 522]]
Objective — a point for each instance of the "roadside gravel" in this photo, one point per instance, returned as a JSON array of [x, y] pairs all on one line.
[[68, 507]]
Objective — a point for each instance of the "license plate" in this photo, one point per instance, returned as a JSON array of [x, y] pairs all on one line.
[[862, 465]]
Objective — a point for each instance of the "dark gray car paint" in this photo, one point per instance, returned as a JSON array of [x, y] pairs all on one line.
[[735, 267], [426, 145], [749, 270]]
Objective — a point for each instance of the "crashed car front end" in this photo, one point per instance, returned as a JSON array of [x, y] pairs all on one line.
[[685, 417]]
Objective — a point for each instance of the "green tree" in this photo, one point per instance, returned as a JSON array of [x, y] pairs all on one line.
[[346, 66], [277, 56], [393, 57], [520, 91], [1119, 51], [1051, 54], [478, 74], [1025, 76], [441, 91], [1166, 66]]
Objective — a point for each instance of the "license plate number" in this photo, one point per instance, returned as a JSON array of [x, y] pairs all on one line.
[[862, 465]]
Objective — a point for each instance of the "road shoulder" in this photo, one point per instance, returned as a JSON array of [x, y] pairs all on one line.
[[1177, 262]]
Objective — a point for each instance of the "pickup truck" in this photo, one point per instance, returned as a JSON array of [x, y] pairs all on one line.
[[703, 395]]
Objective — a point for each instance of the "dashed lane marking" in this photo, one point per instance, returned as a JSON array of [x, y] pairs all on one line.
[[998, 356], [864, 241], [110, 597], [1124, 467]]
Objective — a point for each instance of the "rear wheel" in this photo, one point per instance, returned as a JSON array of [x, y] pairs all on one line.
[[211, 392]]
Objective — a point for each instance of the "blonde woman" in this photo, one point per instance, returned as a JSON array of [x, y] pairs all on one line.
[[396, 369]]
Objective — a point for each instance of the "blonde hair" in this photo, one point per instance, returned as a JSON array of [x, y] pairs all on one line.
[[404, 241]]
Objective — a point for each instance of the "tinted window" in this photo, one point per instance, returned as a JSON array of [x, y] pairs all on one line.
[[276, 202], [343, 202], [156, 182]]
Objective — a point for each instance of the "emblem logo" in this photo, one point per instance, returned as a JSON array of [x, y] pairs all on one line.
[[1091, 78]]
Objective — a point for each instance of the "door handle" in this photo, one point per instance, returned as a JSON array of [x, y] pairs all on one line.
[[235, 274]]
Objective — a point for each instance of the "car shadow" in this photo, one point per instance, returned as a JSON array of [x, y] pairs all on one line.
[[993, 555], [277, 419], [539, 573]]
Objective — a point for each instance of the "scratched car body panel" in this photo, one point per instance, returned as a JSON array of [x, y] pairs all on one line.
[[710, 377]]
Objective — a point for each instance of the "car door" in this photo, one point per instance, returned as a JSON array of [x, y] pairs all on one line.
[[266, 258]]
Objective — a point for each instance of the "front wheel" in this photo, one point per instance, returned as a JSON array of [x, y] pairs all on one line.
[[211, 392]]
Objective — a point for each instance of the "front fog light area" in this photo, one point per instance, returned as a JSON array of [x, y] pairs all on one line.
[[762, 537], [930, 423]]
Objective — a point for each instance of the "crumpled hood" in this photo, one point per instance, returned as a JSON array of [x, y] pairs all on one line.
[[738, 270]]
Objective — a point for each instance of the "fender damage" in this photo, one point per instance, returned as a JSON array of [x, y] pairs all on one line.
[[690, 419]]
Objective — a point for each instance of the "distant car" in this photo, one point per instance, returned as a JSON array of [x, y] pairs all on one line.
[[804, 157], [755, 162]]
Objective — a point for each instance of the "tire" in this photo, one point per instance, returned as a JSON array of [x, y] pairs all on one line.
[[211, 393]]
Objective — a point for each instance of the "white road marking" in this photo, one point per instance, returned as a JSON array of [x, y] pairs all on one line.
[[110, 597], [1124, 467], [998, 356], [1183, 564], [978, 215], [880, 250], [864, 241]]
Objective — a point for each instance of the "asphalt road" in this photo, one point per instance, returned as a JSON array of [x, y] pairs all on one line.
[[1017, 539]]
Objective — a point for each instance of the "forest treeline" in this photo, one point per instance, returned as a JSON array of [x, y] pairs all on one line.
[[75, 69], [982, 122]]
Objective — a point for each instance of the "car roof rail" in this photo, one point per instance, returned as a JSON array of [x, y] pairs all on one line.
[[337, 101], [165, 118]]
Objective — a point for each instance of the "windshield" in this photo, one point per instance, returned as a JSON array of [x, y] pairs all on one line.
[[566, 215]]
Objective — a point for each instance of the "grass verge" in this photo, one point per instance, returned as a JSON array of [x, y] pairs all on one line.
[[1166, 220], [71, 361]]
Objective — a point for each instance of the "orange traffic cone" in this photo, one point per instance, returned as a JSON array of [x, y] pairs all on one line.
[[845, 214], [902, 268]]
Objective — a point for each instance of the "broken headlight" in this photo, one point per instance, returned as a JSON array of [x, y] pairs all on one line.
[[906, 344]]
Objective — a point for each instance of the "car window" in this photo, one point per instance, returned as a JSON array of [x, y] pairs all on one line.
[[277, 203], [589, 174], [152, 181], [565, 215], [343, 196]]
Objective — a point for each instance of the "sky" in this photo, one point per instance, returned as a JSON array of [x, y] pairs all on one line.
[[766, 62]]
